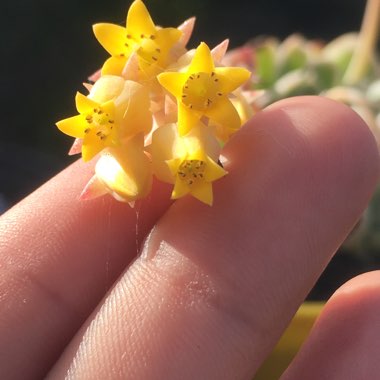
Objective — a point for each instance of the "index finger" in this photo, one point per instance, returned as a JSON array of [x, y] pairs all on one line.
[[58, 257]]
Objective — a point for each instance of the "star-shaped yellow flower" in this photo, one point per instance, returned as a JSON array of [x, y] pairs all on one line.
[[95, 124], [203, 91], [194, 174], [114, 111], [151, 43], [188, 162]]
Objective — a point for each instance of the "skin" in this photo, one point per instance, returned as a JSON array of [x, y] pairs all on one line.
[[212, 288]]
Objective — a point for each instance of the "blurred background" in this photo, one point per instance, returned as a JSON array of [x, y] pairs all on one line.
[[48, 51]]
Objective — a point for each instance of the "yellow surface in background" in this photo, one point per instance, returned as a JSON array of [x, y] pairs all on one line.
[[290, 342]]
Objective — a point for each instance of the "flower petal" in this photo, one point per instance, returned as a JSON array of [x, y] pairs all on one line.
[[92, 145], [173, 82], [139, 20], [114, 66], [203, 192], [202, 61], [180, 189], [213, 171], [224, 113], [84, 104], [73, 126], [111, 37], [167, 37], [230, 78], [187, 119]]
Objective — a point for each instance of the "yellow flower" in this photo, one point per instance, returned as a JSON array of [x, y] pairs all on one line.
[[151, 43], [114, 111], [188, 162], [203, 91]]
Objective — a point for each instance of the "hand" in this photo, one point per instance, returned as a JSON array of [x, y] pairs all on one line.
[[214, 287]]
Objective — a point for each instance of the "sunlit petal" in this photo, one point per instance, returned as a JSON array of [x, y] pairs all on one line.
[[224, 113], [73, 126], [187, 119], [180, 189], [203, 192], [230, 78], [111, 37], [213, 171], [114, 66], [84, 104], [173, 82], [202, 61], [91, 146], [139, 20]]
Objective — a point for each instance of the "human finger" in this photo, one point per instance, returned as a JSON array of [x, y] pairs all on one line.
[[215, 287], [344, 342], [58, 257]]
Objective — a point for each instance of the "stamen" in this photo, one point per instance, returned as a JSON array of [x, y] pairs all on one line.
[[155, 59], [191, 171], [201, 91], [152, 37]]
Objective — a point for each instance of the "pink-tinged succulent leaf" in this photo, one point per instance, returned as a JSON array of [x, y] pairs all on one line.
[[219, 51], [76, 148], [94, 189], [95, 76], [170, 109], [131, 68], [87, 86], [186, 28]]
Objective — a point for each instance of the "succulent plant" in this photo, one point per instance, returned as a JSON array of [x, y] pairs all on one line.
[[346, 69]]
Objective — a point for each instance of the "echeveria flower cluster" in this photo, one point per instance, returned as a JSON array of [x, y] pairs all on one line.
[[156, 109]]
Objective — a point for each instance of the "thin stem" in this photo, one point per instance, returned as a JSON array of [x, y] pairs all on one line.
[[365, 45]]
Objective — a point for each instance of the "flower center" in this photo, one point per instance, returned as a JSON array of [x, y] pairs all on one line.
[[200, 90], [99, 122], [145, 45], [191, 171]]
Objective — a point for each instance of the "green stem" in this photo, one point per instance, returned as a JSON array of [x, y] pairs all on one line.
[[365, 45]]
